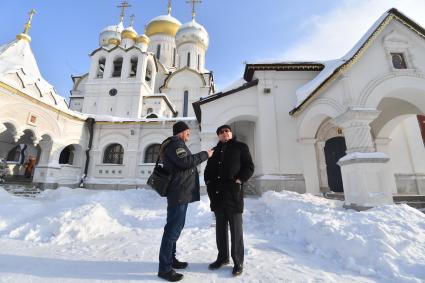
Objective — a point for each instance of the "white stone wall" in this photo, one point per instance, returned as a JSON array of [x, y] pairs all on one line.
[[168, 44]]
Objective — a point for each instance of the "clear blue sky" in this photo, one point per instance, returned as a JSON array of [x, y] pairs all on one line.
[[65, 32]]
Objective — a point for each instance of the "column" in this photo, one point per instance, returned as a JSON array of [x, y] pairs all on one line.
[[309, 159], [366, 174], [323, 174], [382, 145]]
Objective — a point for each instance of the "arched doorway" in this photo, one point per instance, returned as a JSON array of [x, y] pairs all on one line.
[[334, 149]]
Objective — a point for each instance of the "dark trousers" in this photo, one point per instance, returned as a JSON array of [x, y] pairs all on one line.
[[176, 216], [224, 219]]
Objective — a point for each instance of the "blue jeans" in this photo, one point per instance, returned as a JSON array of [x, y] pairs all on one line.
[[176, 217]]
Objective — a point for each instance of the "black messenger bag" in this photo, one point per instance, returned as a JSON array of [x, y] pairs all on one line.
[[160, 179]]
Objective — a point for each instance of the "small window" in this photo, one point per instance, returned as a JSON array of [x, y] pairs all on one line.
[[152, 153], [185, 103], [148, 75], [158, 51], [188, 59], [67, 155], [398, 61], [174, 57], [117, 68], [101, 67], [114, 154], [150, 110], [133, 63]]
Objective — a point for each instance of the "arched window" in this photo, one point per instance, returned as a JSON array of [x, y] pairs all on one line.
[[114, 154], [16, 154], [67, 155], [117, 67], [148, 76], [152, 115], [188, 59], [185, 103], [199, 62], [151, 153], [101, 67], [158, 51], [133, 67]]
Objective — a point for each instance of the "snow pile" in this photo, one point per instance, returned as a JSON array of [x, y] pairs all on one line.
[[64, 216], [288, 238], [386, 242]]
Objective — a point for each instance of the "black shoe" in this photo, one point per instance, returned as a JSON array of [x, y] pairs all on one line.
[[237, 269], [179, 264], [171, 276], [217, 264]]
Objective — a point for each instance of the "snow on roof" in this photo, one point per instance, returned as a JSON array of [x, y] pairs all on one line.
[[331, 67], [237, 83], [107, 118], [304, 92], [168, 18], [17, 58]]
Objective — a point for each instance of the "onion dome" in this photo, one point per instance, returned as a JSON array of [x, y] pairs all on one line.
[[129, 33], [165, 24], [144, 39], [192, 32], [111, 35]]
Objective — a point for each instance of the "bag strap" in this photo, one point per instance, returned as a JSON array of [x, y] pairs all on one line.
[[163, 144], [157, 161]]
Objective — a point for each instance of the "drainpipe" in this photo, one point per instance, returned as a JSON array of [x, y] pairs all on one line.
[[90, 123]]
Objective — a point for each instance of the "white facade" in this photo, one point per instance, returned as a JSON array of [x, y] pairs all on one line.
[[295, 108], [344, 125]]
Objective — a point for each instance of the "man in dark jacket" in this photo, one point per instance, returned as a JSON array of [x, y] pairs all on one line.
[[184, 188], [225, 174]]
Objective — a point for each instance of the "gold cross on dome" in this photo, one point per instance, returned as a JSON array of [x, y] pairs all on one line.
[[28, 24], [194, 2], [123, 6], [169, 7], [132, 20]]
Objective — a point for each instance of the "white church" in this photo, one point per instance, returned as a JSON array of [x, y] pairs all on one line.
[[351, 125]]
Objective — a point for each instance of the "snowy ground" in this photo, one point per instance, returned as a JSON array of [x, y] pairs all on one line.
[[114, 236]]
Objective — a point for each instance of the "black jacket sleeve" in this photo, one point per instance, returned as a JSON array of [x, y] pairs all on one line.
[[247, 166], [180, 156]]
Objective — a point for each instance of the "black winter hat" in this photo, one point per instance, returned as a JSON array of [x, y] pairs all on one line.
[[223, 127], [179, 127]]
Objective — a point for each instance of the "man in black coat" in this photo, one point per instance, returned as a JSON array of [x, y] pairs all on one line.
[[225, 174], [184, 188]]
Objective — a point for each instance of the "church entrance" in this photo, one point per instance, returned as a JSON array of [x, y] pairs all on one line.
[[334, 149], [18, 155]]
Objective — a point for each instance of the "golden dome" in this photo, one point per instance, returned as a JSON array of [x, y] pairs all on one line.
[[143, 39], [129, 33], [163, 25], [114, 41]]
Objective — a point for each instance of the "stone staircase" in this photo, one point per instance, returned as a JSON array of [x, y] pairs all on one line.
[[20, 186], [415, 201]]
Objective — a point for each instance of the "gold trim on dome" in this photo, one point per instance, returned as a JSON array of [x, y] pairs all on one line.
[[143, 39], [162, 27], [129, 34], [114, 41], [24, 37]]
